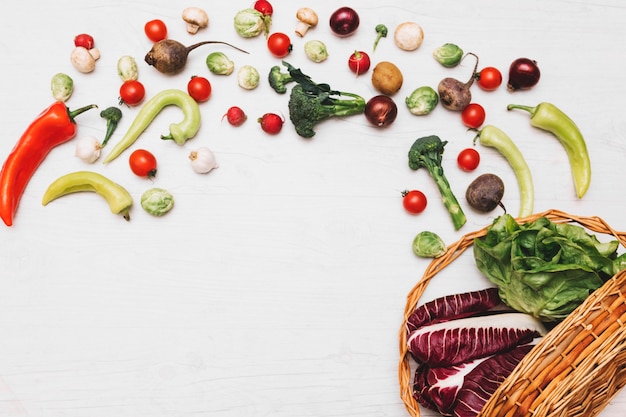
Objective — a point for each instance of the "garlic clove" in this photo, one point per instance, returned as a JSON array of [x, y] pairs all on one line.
[[203, 160], [88, 149]]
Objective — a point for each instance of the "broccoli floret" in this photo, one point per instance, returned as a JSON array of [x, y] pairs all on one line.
[[427, 152], [279, 80], [112, 115], [306, 108]]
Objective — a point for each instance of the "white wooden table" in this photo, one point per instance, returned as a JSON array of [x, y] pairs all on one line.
[[277, 284]]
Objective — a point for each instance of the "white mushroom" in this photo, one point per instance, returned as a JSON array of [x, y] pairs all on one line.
[[83, 59], [196, 19], [307, 18]]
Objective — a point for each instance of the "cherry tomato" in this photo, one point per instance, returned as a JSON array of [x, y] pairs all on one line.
[[468, 159], [143, 163], [155, 30], [199, 88], [279, 44], [235, 116], [489, 78], [271, 123], [414, 201], [473, 115], [359, 62], [132, 92], [84, 40], [264, 7]]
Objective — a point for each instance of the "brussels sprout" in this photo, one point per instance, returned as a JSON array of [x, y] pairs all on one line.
[[449, 55], [157, 201], [62, 86], [422, 100], [248, 77], [127, 68], [428, 245], [316, 51], [219, 64], [249, 23]]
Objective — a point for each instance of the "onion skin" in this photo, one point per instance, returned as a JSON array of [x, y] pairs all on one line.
[[523, 74], [381, 111], [344, 21]]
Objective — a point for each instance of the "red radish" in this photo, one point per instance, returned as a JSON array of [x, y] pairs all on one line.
[[84, 40], [271, 123], [462, 340], [235, 116], [451, 307], [359, 62]]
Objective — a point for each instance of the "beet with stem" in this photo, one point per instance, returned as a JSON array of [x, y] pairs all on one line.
[[170, 57], [454, 94], [485, 193]]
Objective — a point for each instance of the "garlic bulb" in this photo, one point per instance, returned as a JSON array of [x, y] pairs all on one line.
[[203, 160], [88, 149]]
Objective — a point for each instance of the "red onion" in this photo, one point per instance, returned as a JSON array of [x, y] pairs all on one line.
[[381, 110], [523, 74], [344, 21]]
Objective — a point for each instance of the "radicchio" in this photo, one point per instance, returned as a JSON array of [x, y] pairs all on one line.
[[483, 381], [437, 388], [452, 307], [463, 340]]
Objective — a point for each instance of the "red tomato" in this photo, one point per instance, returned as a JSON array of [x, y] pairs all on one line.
[[414, 201], [143, 163], [84, 40], [489, 78], [279, 44], [235, 116], [271, 123], [359, 62], [155, 30], [473, 115], [264, 7], [468, 159], [132, 92], [199, 88]]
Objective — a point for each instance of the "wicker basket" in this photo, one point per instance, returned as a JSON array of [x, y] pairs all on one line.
[[574, 370]]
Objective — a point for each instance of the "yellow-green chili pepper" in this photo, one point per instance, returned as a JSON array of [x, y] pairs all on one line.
[[494, 137], [548, 117], [118, 198], [179, 132]]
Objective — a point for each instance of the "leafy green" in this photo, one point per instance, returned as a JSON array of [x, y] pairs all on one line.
[[544, 268]]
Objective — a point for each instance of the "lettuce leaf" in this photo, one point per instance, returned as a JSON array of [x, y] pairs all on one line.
[[543, 268]]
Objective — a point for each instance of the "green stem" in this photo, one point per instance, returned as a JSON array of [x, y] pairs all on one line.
[[73, 113]]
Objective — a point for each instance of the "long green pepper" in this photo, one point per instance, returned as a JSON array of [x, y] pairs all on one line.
[[179, 132], [550, 118]]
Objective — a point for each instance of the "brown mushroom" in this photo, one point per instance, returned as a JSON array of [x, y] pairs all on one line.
[[196, 19], [307, 18]]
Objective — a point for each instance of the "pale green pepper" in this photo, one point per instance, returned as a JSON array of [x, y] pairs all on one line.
[[548, 117], [179, 132]]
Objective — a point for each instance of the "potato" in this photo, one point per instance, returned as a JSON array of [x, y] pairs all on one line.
[[387, 78]]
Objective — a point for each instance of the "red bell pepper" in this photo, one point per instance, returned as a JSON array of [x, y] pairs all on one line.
[[52, 127]]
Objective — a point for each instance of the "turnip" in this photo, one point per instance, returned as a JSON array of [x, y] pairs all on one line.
[[454, 94], [170, 57]]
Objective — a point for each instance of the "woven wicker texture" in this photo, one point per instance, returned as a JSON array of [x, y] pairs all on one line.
[[574, 370]]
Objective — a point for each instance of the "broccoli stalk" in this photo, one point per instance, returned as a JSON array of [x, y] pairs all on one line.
[[279, 80], [311, 103], [427, 152], [112, 115]]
